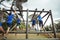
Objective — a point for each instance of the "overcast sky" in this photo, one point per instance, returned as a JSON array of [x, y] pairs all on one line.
[[53, 5]]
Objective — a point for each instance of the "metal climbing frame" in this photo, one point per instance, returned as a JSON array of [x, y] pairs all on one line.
[[48, 12]]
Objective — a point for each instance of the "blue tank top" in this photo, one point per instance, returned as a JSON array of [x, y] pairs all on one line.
[[10, 18]]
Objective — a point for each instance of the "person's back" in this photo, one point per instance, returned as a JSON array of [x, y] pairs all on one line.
[[39, 18], [1, 17]]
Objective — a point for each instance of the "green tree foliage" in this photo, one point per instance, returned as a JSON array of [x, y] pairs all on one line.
[[57, 25], [48, 28]]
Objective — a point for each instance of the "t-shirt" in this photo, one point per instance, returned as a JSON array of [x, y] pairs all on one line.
[[39, 18], [10, 18]]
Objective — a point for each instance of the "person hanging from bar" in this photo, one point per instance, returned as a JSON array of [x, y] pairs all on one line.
[[9, 21], [33, 23], [39, 18], [18, 20], [1, 17]]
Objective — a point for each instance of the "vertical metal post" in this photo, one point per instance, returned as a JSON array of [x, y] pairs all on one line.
[[53, 24], [27, 24]]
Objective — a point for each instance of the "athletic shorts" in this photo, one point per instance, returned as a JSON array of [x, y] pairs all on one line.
[[33, 23], [40, 23], [9, 24], [0, 24], [18, 24]]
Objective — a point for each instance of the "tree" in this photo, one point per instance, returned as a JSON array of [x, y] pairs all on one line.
[[57, 26]]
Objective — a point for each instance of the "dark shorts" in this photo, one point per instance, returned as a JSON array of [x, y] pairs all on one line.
[[0, 24], [33, 23], [9, 24], [18, 24], [40, 23]]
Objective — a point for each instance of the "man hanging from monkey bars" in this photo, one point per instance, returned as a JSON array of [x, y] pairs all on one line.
[[18, 20], [40, 21]]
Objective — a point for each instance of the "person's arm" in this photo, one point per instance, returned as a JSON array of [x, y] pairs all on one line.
[[37, 17]]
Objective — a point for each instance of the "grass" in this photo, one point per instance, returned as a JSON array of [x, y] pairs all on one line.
[[30, 36]]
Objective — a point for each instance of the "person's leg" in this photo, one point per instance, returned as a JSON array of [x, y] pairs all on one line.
[[32, 26], [5, 35], [2, 29], [40, 25], [18, 26], [9, 25], [7, 29], [43, 27]]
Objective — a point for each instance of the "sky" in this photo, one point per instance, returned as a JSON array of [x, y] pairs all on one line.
[[53, 5]]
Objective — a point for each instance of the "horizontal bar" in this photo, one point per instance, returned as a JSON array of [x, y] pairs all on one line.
[[26, 10], [34, 32], [23, 32]]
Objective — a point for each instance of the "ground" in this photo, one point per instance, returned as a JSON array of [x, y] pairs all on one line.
[[30, 36]]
